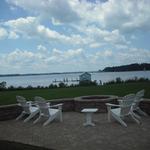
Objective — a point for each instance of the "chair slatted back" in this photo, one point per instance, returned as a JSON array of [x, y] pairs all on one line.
[[22, 101], [126, 104], [43, 106], [138, 98], [38, 98], [140, 95]]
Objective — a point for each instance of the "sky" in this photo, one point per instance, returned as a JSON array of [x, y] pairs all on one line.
[[45, 36]]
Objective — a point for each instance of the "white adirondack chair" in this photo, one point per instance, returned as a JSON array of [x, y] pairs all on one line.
[[125, 108], [48, 111], [27, 107], [138, 98]]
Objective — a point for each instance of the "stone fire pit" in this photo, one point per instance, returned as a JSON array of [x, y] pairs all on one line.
[[94, 101]]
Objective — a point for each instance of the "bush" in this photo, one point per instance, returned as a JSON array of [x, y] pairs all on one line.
[[3, 85], [11, 88], [20, 88], [29, 87], [62, 85], [51, 86], [119, 80], [88, 83]]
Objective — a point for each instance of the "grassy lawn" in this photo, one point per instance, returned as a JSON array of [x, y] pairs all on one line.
[[9, 97]]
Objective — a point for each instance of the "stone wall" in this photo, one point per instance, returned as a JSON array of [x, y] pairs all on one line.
[[9, 111], [145, 106], [68, 103], [12, 111]]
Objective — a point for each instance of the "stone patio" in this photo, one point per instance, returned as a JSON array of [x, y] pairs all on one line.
[[72, 135]]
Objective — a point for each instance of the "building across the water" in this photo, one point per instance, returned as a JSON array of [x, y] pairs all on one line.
[[85, 77]]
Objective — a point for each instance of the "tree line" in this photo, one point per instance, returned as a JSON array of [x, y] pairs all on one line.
[[131, 67], [118, 80]]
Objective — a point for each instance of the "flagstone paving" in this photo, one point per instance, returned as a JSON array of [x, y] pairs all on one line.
[[72, 135]]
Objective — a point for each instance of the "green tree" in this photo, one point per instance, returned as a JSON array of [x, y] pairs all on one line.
[[3, 85]]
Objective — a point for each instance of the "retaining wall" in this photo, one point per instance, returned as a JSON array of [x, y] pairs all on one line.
[[12, 111], [8, 112]]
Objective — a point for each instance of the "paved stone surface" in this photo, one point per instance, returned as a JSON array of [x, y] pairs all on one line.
[[72, 135]]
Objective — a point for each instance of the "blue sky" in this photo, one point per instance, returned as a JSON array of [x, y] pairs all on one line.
[[72, 35]]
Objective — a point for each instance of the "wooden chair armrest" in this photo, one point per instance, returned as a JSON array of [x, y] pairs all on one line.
[[112, 105], [32, 103], [120, 100], [29, 102], [57, 105], [143, 99], [48, 103], [109, 106]]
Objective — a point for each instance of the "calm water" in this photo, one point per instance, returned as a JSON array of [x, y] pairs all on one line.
[[46, 80]]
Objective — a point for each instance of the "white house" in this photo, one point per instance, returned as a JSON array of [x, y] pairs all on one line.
[[85, 77]]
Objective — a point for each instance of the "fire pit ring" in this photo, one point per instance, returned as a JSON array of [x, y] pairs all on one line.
[[94, 101]]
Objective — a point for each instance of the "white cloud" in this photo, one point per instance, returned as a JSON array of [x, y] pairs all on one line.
[[96, 45], [85, 35], [23, 26], [135, 55], [44, 60], [91, 36], [125, 15], [58, 10], [41, 60], [101, 22], [41, 48], [13, 35], [101, 37], [30, 27], [3, 33], [115, 37], [44, 32], [130, 55], [19, 57], [101, 57]]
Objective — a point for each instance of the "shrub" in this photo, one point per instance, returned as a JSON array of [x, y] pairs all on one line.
[[29, 87], [88, 83], [11, 88], [51, 86], [3, 85], [119, 80], [62, 85]]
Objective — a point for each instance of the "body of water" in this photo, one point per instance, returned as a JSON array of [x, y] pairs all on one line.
[[46, 80]]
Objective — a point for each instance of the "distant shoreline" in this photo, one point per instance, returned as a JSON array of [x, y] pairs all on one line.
[[123, 68], [38, 74], [130, 67]]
